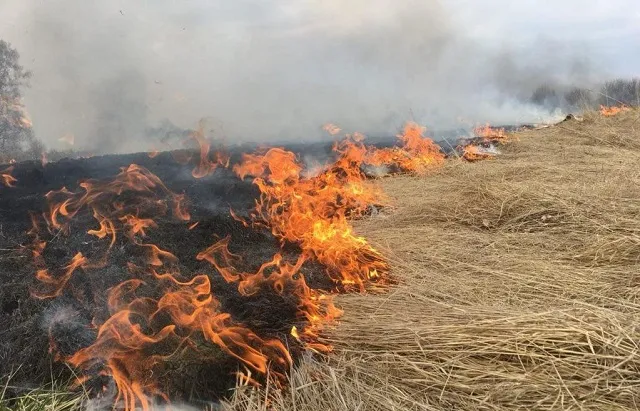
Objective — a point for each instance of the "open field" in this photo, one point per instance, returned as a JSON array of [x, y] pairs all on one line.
[[518, 287], [520, 284]]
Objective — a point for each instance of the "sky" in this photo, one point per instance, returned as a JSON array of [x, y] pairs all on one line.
[[267, 70]]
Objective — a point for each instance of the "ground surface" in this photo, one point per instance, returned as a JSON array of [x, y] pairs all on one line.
[[520, 285], [27, 323]]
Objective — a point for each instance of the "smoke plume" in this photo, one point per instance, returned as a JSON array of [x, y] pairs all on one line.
[[105, 72]]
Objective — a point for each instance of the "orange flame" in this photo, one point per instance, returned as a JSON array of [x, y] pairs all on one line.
[[63, 203], [101, 198], [491, 134], [315, 308], [6, 178], [417, 154], [26, 122], [472, 152], [12, 110], [613, 110], [141, 324], [207, 165], [312, 212], [122, 342], [57, 283], [156, 315]]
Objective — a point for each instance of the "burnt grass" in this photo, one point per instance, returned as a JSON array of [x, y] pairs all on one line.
[[29, 325]]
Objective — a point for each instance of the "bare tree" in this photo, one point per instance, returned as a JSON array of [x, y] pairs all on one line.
[[16, 135]]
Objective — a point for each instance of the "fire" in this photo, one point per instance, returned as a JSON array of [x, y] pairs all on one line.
[[482, 146], [294, 333], [312, 212], [283, 277], [186, 312], [6, 178], [26, 122], [111, 215], [472, 152], [64, 205], [613, 110], [417, 153], [158, 315], [154, 316], [491, 134], [207, 165], [58, 283]]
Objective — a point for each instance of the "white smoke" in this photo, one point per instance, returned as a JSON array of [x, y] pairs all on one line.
[[277, 69]]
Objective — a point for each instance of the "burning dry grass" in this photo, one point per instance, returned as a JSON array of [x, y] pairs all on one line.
[[520, 285]]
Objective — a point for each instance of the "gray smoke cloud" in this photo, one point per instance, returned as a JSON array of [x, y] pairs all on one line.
[[279, 69]]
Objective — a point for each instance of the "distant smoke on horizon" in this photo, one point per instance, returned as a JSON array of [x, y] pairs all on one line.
[[275, 70]]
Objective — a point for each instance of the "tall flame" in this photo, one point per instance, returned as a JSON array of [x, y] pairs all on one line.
[[312, 212]]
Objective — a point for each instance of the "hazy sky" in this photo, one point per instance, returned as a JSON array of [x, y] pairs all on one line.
[[267, 69]]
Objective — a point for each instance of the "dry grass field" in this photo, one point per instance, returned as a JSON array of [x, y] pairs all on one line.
[[518, 287]]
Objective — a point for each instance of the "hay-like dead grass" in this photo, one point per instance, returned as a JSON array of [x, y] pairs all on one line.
[[520, 286]]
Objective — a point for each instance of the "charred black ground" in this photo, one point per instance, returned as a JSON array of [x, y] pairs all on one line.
[[26, 322]]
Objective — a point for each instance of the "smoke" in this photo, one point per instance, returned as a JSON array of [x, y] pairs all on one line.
[[68, 327], [105, 403], [120, 110], [272, 70]]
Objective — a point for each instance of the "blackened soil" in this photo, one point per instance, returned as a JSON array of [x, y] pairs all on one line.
[[29, 325]]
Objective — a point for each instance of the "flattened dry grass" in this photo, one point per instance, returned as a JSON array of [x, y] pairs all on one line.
[[520, 286]]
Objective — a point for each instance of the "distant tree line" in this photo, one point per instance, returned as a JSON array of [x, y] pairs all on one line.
[[611, 93], [17, 139]]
